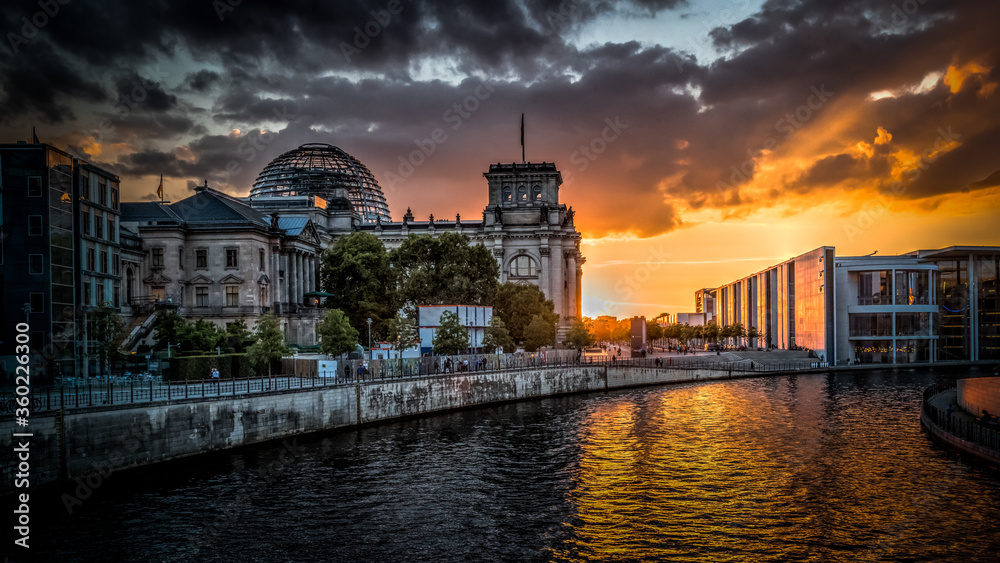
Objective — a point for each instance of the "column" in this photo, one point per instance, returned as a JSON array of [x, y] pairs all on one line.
[[290, 275], [570, 303], [298, 278], [544, 275], [275, 286]]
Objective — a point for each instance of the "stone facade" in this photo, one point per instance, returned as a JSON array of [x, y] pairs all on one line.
[[189, 261]]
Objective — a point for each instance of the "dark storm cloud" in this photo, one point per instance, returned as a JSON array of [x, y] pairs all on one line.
[[697, 130]]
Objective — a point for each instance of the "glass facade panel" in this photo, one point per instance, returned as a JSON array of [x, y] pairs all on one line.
[[912, 287], [871, 324], [988, 273], [953, 300], [913, 324]]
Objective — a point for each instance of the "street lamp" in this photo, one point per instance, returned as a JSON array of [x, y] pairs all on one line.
[[370, 338]]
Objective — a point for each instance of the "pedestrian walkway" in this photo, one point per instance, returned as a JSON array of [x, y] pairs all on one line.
[[959, 429]]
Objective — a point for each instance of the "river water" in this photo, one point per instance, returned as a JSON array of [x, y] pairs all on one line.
[[800, 468]]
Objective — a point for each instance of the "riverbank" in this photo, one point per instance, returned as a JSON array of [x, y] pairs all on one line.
[[72, 443]]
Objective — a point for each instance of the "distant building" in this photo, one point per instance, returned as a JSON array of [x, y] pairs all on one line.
[[637, 335], [923, 306], [474, 319], [704, 300], [693, 319]]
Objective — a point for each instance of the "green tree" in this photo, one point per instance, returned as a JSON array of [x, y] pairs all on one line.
[[578, 336], [202, 335], [739, 332], [451, 337], [711, 332], [654, 331], [445, 270], [269, 344], [753, 335], [621, 333], [106, 329], [517, 304], [538, 333], [336, 334], [237, 333], [402, 332], [358, 272], [497, 337], [169, 328]]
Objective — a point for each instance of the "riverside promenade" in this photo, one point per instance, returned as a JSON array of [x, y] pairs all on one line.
[[959, 430], [85, 431]]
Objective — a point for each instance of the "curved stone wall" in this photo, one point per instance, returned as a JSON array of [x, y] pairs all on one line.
[[975, 395]]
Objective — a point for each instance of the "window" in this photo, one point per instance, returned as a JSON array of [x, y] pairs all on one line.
[[104, 261], [91, 260], [34, 225], [114, 198], [88, 291], [34, 186], [201, 258], [232, 258], [117, 265], [111, 229], [157, 292], [157, 257], [86, 221], [232, 295], [523, 266], [508, 195], [102, 193], [98, 226], [522, 194], [262, 259], [201, 296], [37, 301], [180, 257], [116, 295], [536, 194]]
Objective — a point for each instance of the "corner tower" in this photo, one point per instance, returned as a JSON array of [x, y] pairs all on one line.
[[532, 235]]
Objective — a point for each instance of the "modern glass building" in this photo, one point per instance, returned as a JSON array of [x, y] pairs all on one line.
[[923, 306]]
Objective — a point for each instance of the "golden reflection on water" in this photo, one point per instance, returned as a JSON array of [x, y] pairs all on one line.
[[735, 471]]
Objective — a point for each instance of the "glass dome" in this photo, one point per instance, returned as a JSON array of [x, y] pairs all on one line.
[[317, 169]]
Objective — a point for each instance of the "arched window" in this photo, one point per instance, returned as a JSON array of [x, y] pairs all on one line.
[[508, 194], [522, 194], [536, 194], [523, 267]]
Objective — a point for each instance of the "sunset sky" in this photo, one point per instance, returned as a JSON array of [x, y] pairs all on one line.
[[699, 141]]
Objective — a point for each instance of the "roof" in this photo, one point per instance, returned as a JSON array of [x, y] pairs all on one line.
[[207, 207], [214, 207], [292, 225]]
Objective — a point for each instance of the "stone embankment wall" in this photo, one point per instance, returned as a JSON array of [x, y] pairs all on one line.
[[85, 441], [975, 395]]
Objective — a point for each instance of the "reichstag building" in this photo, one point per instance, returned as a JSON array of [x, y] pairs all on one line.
[[219, 257]]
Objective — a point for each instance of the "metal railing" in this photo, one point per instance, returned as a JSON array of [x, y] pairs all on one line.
[[959, 426], [111, 391]]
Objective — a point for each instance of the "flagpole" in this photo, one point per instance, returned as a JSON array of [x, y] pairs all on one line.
[[522, 139]]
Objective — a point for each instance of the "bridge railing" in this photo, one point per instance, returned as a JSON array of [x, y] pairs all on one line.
[[110, 391], [960, 426]]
